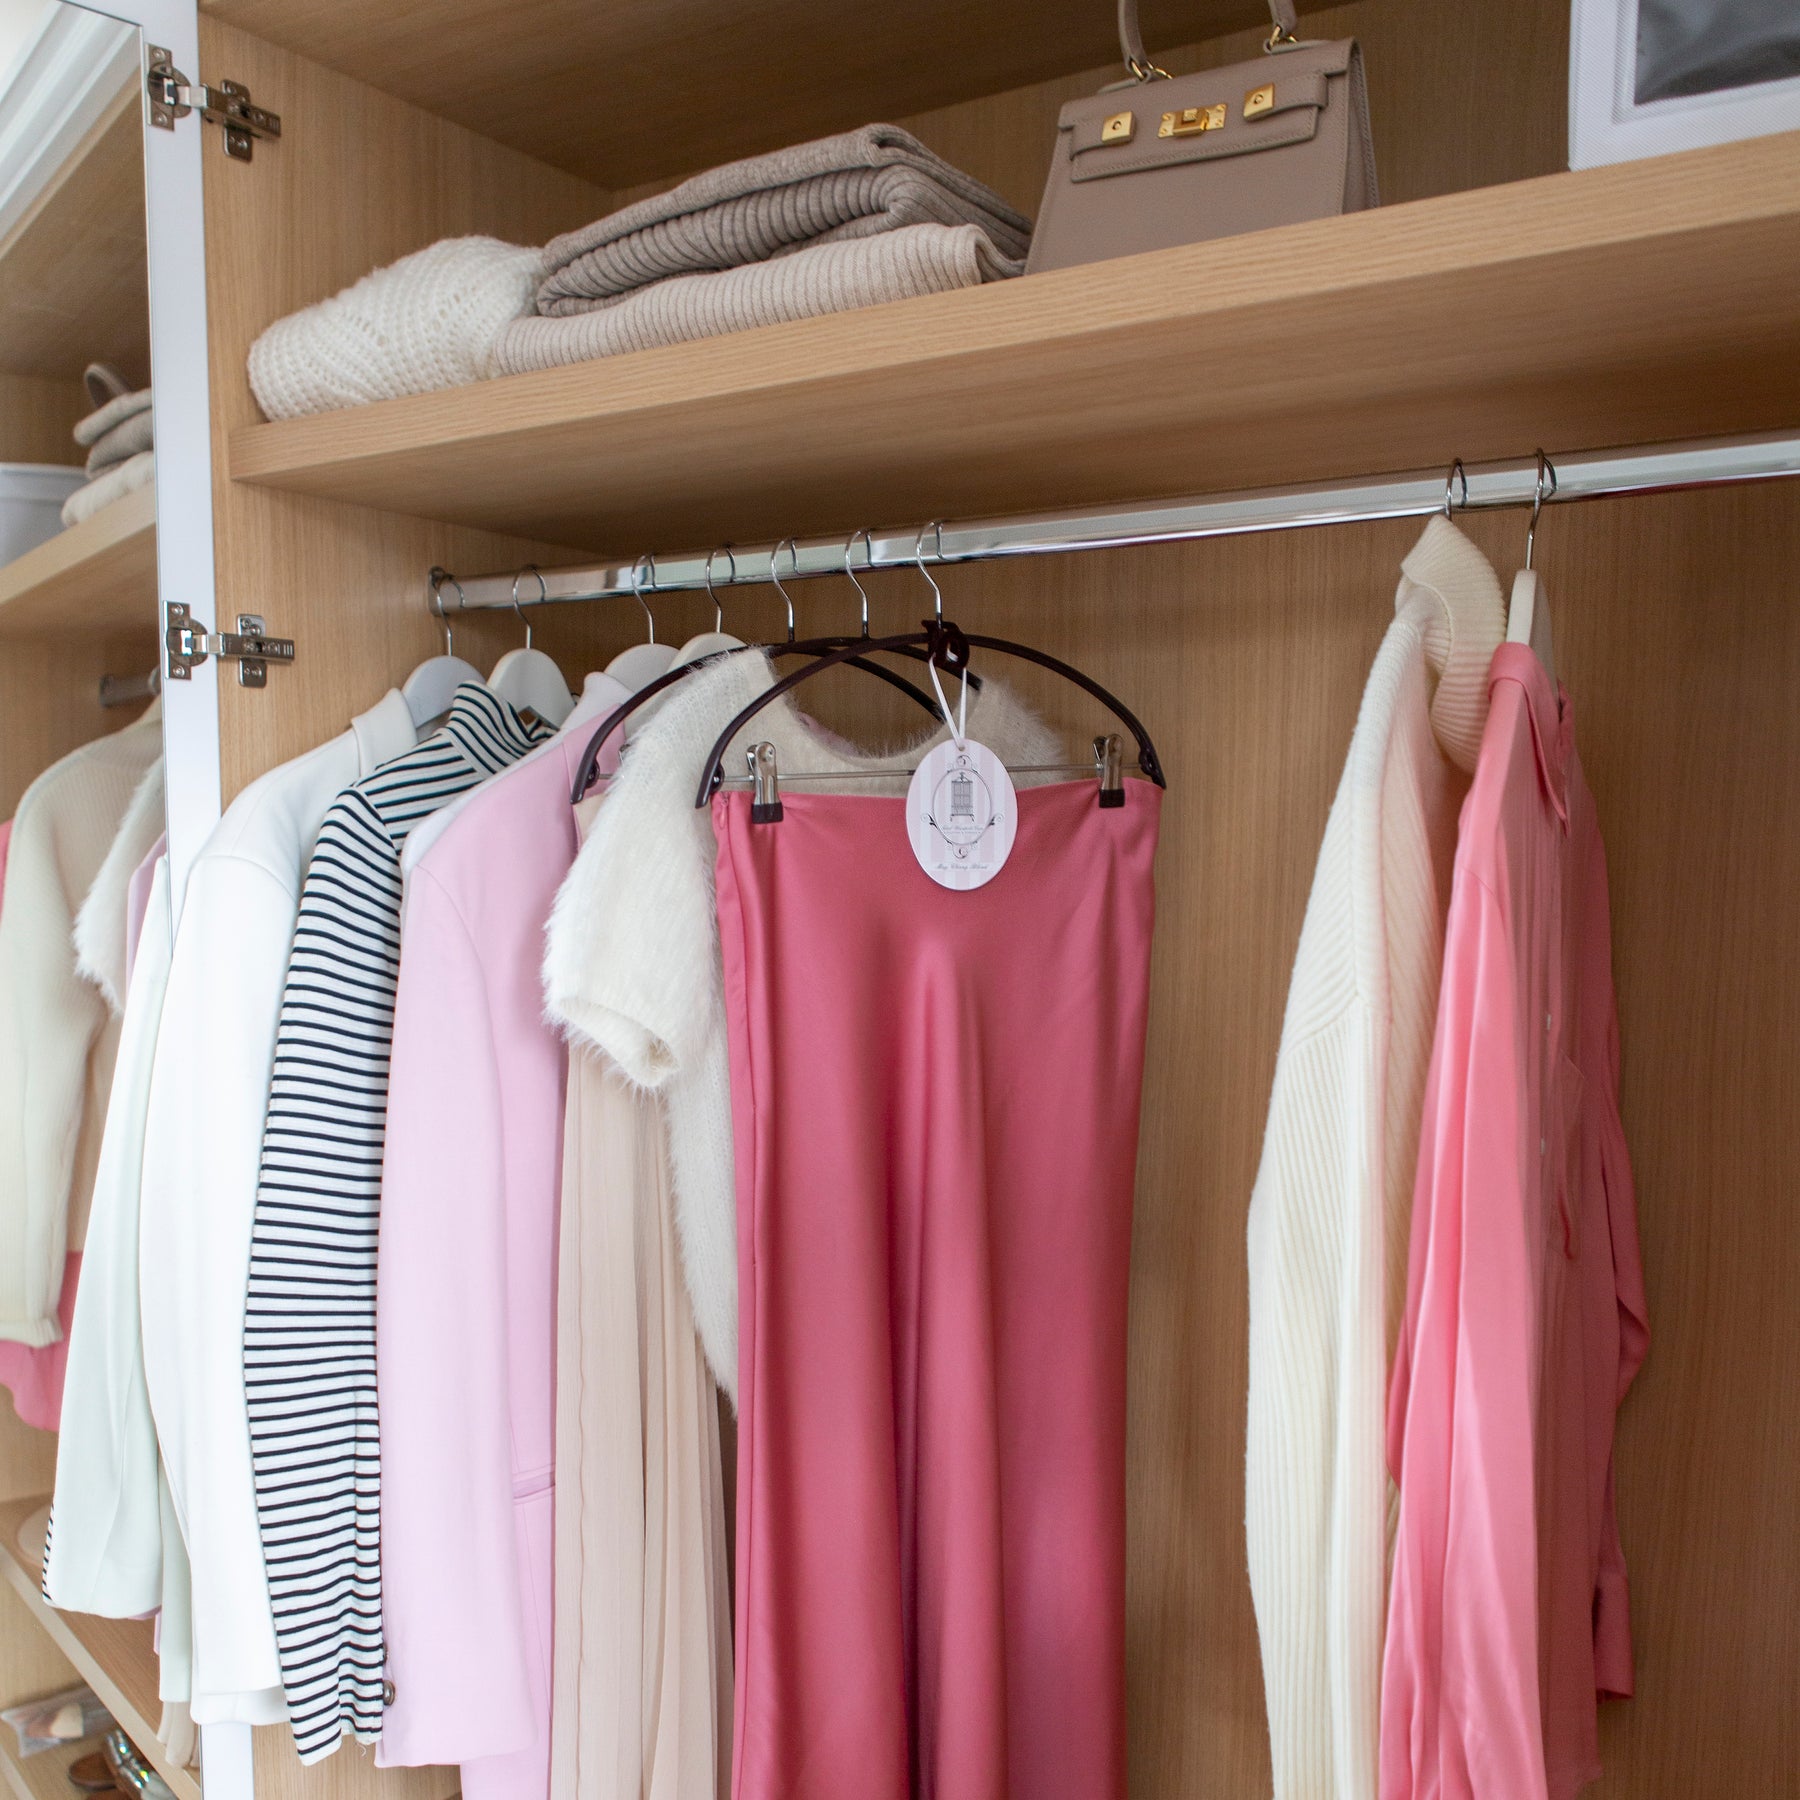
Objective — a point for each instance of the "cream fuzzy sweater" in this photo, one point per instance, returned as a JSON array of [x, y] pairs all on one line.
[[1331, 1209], [632, 964], [56, 1036]]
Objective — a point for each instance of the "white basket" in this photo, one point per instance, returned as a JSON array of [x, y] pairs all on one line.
[[31, 503]]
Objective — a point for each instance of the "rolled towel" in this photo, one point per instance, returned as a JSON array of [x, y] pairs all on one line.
[[109, 417], [828, 278], [859, 184], [118, 481], [428, 321], [121, 442]]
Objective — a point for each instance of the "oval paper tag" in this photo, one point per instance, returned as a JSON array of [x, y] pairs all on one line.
[[961, 815]]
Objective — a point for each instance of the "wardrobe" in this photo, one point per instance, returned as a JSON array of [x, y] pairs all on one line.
[[1495, 303]]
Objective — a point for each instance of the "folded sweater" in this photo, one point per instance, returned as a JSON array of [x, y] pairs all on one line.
[[827, 278], [122, 441], [428, 321], [858, 184], [110, 485]]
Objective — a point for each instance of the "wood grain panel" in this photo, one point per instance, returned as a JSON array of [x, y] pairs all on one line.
[[116, 1657], [50, 703], [625, 94], [98, 575], [1575, 310], [73, 286], [1677, 635], [1459, 96], [46, 1775], [37, 416], [357, 180]]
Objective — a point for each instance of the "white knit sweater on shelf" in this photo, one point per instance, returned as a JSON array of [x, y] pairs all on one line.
[[1332, 1206], [429, 321]]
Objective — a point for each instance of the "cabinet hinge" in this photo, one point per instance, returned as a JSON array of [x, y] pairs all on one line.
[[171, 96], [250, 647]]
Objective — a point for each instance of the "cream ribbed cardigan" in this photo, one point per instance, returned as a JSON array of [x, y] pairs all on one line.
[[1330, 1212], [57, 1039]]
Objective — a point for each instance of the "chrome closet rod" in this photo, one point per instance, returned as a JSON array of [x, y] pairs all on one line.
[[1584, 475]]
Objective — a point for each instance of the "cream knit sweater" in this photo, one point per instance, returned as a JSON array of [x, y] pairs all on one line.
[[1331, 1209], [57, 1038]]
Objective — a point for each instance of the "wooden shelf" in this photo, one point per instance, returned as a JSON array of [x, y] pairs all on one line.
[[1648, 301], [46, 1775], [812, 66], [115, 1657], [98, 575], [74, 287]]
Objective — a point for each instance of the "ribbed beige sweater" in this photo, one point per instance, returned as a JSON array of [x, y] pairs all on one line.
[[57, 1038], [1332, 1204]]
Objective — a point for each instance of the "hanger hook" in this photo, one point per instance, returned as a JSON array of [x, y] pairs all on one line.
[[861, 591], [730, 581], [1458, 476], [637, 590], [793, 550], [1544, 488], [936, 528], [434, 602], [543, 595]]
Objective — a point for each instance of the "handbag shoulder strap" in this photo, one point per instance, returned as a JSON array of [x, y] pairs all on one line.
[[1131, 40]]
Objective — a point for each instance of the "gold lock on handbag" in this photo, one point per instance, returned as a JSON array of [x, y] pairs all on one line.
[[1160, 160]]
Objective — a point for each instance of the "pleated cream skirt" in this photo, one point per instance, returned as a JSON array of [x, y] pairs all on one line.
[[642, 1671]]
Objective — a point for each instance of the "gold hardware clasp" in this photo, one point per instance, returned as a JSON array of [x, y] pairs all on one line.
[[1192, 120], [1121, 128], [1259, 100]]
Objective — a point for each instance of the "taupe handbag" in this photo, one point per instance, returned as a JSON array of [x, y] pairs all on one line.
[[1161, 160]]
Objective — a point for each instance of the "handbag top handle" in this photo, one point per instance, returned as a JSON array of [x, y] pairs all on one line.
[[1131, 40]]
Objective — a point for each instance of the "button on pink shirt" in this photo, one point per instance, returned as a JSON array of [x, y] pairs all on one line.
[[1525, 1317]]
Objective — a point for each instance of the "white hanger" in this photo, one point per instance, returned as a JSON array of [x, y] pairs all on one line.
[[717, 641], [1528, 613], [431, 687], [642, 663], [528, 680]]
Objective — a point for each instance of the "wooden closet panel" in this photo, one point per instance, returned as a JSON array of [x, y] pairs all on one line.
[[1678, 637], [37, 418], [629, 93], [1460, 97], [356, 180], [73, 281], [1683, 653], [50, 703]]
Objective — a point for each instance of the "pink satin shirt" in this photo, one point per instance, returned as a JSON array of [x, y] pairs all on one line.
[[1525, 1317]]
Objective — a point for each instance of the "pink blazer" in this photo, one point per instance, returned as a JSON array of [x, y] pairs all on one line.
[[466, 1287]]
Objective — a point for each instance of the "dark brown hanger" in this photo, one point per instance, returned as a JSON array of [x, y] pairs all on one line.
[[945, 645]]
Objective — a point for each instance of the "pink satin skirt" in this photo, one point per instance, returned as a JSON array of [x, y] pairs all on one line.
[[935, 1099]]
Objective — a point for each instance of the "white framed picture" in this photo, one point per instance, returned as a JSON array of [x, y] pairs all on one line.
[[1649, 76]]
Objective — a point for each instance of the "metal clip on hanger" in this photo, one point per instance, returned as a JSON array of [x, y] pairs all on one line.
[[431, 687], [947, 646], [528, 680]]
